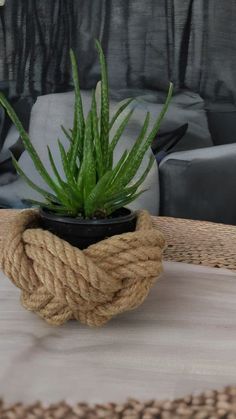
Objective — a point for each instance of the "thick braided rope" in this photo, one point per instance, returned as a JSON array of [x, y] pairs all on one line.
[[61, 282]]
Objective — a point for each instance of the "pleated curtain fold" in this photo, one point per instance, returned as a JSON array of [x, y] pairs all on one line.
[[147, 43]]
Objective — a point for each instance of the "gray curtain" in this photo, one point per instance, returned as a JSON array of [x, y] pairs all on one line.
[[211, 63], [143, 42], [34, 42], [147, 43]]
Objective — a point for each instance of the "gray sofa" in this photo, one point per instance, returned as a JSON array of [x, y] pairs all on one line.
[[199, 184], [191, 42]]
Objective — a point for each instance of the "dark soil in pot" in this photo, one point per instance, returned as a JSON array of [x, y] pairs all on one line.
[[82, 232]]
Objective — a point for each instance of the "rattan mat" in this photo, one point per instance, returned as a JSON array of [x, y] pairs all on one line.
[[198, 242], [209, 405]]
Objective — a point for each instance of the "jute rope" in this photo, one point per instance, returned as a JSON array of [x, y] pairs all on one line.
[[61, 282]]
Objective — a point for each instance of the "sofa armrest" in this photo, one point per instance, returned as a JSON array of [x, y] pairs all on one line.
[[200, 184]]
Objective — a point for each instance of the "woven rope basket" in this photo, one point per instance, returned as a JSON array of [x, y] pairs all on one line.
[[60, 282]]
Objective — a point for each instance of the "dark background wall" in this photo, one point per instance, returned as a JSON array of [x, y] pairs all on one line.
[[192, 42]]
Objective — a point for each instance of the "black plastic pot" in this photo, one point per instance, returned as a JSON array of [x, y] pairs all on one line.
[[83, 232]]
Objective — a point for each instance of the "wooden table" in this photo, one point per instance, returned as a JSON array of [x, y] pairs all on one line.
[[181, 340]]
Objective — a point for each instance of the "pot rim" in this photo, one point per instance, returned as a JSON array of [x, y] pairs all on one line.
[[69, 220]]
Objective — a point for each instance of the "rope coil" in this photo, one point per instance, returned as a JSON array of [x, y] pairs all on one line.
[[60, 282]]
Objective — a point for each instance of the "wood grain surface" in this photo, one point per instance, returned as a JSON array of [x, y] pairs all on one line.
[[181, 340]]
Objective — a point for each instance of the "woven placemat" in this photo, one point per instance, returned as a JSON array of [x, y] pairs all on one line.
[[198, 242], [209, 405]]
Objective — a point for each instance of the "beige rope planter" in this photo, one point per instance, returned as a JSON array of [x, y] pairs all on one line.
[[60, 282]]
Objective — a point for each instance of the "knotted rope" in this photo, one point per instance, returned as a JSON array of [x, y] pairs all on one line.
[[61, 282]]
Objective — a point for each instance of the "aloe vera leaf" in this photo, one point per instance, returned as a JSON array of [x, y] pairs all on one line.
[[28, 145], [142, 178], [69, 189], [76, 150], [128, 194], [88, 159], [138, 151], [118, 180], [110, 208], [67, 134], [63, 211], [54, 168], [117, 136], [158, 122], [98, 94], [104, 100], [133, 188], [95, 196], [79, 107], [47, 195], [119, 111], [55, 208], [116, 170], [74, 199], [114, 173], [35, 202], [97, 143], [79, 123], [65, 163]]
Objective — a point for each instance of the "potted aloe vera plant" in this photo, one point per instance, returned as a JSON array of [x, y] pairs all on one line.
[[89, 202]]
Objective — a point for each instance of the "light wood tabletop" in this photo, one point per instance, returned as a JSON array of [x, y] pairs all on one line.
[[181, 340]]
